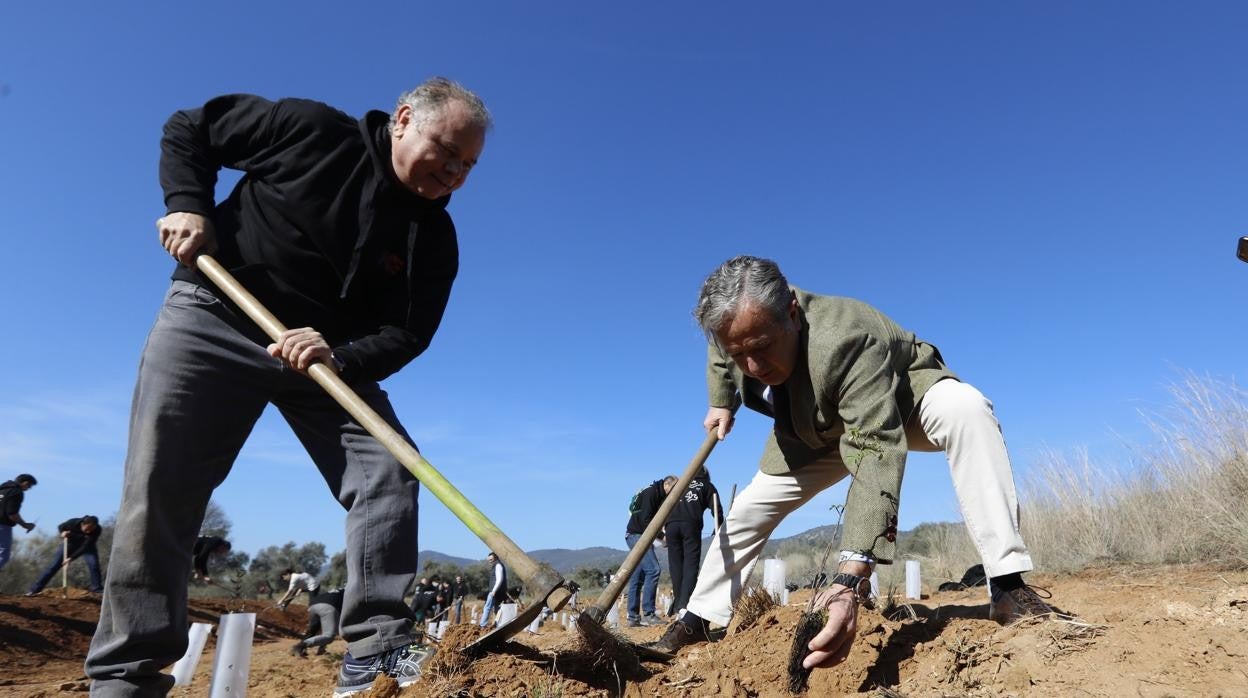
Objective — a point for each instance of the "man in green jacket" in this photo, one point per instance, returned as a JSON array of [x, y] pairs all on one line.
[[851, 392]]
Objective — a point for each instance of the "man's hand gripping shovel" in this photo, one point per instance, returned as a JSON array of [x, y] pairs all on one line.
[[554, 591]]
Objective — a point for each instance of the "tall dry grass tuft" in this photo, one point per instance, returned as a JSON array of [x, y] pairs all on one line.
[[1185, 502]]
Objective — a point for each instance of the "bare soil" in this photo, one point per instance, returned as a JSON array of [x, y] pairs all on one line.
[[1140, 632]]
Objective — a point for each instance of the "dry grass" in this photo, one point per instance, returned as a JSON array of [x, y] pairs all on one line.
[[1186, 499], [750, 607]]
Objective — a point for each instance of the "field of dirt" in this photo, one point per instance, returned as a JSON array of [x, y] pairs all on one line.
[[1141, 632]]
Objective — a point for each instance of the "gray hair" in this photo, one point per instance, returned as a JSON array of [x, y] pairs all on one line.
[[432, 95], [740, 282]]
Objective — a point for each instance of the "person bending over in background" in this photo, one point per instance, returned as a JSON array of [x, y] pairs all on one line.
[[204, 548], [297, 582], [80, 536], [339, 227], [849, 392], [323, 611]]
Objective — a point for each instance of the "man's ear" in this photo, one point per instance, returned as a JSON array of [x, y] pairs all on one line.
[[402, 118]]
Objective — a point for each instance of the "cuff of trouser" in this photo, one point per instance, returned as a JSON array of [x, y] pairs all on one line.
[[1015, 562], [707, 614]]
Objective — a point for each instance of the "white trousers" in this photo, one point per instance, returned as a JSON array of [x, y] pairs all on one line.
[[953, 417]]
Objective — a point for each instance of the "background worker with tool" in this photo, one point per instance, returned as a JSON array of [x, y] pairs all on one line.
[[206, 547], [297, 582], [80, 536], [324, 607], [338, 225], [850, 392], [683, 533], [12, 493], [643, 583]]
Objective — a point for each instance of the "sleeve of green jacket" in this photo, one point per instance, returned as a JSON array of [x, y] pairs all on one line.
[[873, 446], [720, 388]]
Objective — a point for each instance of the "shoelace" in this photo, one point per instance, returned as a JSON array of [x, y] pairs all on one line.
[[1032, 600]]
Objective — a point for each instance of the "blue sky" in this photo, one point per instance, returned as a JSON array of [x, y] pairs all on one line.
[[1049, 192]]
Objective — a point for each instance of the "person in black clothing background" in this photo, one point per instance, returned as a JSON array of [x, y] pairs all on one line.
[[81, 534], [12, 492], [206, 547], [459, 589], [684, 537], [644, 583]]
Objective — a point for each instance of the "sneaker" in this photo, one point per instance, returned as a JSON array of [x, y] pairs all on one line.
[[635, 623], [1012, 606], [299, 650], [651, 619], [320, 650], [31, 593], [402, 663], [681, 634]]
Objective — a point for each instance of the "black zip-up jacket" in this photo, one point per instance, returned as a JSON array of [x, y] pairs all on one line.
[[319, 229], [204, 546], [650, 499], [696, 500], [79, 542], [11, 496]]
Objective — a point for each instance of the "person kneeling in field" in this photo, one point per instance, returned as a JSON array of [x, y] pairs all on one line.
[[850, 393]]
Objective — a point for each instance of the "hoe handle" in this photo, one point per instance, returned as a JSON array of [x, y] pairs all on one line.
[[524, 566], [608, 596]]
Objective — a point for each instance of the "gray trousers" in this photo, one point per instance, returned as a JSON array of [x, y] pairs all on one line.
[[328, 617], [204, 379]]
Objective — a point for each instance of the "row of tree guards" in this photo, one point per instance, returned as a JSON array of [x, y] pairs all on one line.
[[774, 581], [232, 662]]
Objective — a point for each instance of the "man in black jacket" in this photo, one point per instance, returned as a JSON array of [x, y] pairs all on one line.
[[204, 548], [12, 493], [80, 535], [339, 226], [644, 583]]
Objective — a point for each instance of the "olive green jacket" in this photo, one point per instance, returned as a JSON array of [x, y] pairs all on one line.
[[857, 379]]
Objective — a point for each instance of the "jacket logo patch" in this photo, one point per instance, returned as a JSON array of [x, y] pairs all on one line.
[[392, 264]]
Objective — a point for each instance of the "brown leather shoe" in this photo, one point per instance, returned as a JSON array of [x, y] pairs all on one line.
[[1011, 606], [679, 634]]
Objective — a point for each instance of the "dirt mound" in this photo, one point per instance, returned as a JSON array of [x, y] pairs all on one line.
[[1156, 632]]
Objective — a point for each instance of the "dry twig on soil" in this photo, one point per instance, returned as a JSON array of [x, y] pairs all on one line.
[[755, 602]]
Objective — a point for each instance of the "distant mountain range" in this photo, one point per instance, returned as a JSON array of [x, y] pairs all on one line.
[[566, 561]]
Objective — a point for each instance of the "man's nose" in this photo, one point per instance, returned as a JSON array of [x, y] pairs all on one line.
[[454, 166]]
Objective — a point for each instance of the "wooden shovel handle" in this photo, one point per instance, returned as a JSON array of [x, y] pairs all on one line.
[[608, 596], [542, 576]]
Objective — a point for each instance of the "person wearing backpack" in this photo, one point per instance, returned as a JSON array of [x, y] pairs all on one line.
[[12, 492], [644, 583]]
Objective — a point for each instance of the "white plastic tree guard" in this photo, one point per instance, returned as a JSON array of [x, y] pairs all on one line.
[[184, 670], [914, 582], [233, 660]]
